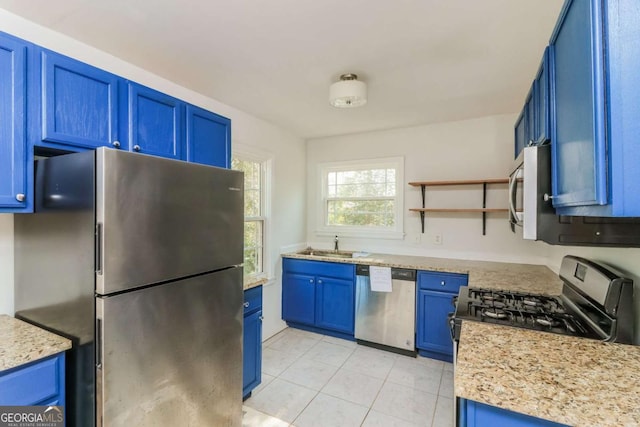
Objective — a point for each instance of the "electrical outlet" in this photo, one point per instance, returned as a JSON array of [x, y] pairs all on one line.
[[437, 239]]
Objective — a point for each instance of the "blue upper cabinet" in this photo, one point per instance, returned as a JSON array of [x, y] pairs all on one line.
[[13, 165], [594, 56], [155, 122], [520, 131], [208, 137], [541, 126], [79, 104], [532, 126]]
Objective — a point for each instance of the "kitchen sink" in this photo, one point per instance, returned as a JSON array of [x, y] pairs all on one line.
[[326, 253]]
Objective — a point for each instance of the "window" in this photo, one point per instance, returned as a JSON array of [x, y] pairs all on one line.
[[255, 172], [362, 198]]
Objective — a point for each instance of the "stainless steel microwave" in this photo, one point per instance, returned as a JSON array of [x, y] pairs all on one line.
[[532, 212]]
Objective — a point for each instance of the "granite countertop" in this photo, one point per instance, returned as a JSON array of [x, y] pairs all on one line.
[[574, 381], [23, 343], [252, 282], [482, 274]]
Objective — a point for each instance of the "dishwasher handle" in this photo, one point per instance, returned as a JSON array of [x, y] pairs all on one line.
[[396, 273]]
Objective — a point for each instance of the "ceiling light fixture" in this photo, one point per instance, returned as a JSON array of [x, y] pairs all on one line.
[[349, 92]]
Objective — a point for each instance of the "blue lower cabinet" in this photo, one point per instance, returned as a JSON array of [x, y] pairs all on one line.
[[335, 302], [319, 296], [432, 329], [252, 341], [475, 414], [36, 383], [434, 302]]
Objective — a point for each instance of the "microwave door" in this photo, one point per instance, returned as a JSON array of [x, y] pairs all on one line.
[[516, 198]]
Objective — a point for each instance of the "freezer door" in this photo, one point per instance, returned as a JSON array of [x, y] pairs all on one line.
[[160, 219], [171, 354]]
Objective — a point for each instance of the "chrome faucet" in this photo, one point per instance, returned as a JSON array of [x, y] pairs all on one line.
[[335, 244]]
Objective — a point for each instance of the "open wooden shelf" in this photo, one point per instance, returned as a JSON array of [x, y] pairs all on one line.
[[460, 182], [484, 210], [480, 210]]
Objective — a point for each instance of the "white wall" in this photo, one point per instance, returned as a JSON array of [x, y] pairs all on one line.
[[470, 149], [6, 264], [287, 150]]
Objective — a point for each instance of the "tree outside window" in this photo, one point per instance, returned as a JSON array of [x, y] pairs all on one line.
[[254, 219]]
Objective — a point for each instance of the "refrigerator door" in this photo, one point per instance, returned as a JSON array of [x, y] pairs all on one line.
[[171, 355], [160, 219]]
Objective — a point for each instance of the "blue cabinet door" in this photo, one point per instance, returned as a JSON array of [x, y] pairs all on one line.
[[298, 298], [13, 164], [433, 332], [208, 137], [520, 133], [579, 175], [335, 303], [79, 104], [252, 352], [475, 414], [155, 122], [541, 132], [36, 383]]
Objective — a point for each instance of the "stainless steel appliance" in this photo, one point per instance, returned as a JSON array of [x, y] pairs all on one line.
[[531, 209], [137, 260], [596, 303], [386, 319]]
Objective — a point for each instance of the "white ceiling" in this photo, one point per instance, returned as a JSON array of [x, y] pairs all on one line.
[[424, 61]]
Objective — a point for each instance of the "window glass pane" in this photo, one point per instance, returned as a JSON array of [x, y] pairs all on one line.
[[253, 245], [252, 202], [367, 213], [361, 197], [253, 230]]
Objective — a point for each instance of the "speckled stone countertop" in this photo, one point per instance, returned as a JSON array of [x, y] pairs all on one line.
[[568, 380], [21, 343], [482, 274], [252, 282]]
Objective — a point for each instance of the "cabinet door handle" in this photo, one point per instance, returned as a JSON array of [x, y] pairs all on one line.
[[136, 147], [443, 283], [319, 282], [246, 304], [310, 280], [20, 197], [116, 144]]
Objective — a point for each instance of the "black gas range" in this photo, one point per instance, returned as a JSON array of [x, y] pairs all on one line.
[[596, 303]]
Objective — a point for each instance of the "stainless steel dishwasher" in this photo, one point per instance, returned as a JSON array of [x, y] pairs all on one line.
[[387, 319]]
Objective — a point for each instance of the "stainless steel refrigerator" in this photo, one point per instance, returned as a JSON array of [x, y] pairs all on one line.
[[137, 259]]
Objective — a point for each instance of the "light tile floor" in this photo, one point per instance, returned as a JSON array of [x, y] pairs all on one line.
[[312, 380]]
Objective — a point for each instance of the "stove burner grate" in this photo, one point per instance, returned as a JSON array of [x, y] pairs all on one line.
[[494, 313]]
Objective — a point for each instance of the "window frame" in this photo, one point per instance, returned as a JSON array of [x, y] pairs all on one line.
[[251, 154], [395, 232]]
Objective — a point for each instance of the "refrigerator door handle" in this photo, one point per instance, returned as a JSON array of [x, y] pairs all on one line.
[[98, 250], [99, 343]]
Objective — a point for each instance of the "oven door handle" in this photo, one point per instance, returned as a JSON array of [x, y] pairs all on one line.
[[451, 320]]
